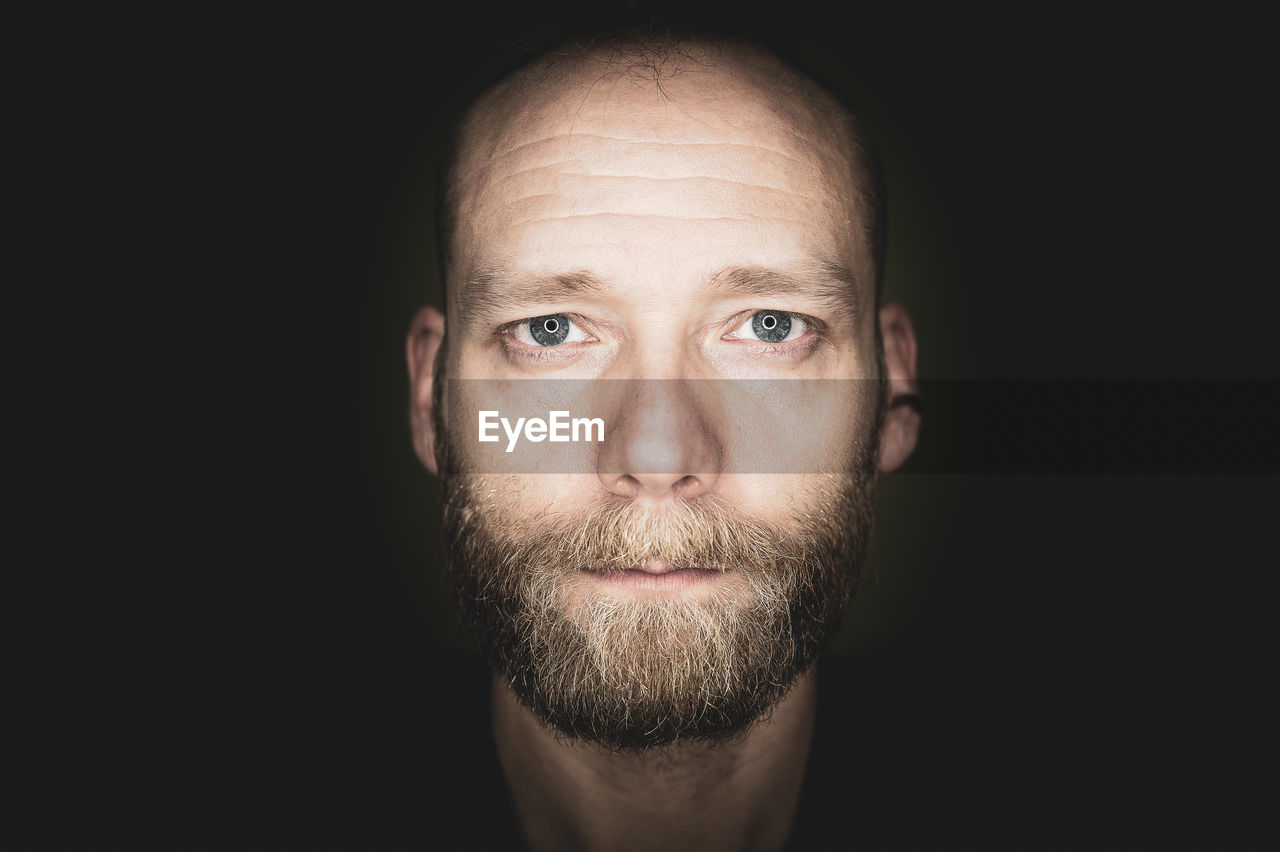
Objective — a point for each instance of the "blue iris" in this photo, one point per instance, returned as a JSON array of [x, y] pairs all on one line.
[[550, 330], [771, 326]]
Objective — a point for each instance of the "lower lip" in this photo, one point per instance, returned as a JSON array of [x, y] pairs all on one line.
[[682, 578]]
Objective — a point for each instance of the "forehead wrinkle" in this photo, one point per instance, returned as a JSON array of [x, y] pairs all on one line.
[[534, 197], [672, 179], [747, 98], [649, 216], [490, 185], [569, 136]]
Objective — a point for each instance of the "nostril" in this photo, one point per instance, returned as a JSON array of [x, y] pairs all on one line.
[[687, 486], [628, 486]]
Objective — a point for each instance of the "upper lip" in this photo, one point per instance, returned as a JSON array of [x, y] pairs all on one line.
[[655, 566]]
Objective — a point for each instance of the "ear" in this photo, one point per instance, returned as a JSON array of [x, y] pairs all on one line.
[[421, 349], [902, 419]]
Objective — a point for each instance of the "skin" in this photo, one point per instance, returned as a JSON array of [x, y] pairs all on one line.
[[655, 191]]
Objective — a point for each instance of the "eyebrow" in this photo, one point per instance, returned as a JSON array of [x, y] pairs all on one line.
[[492, 288], [828, 284], [496, 286]]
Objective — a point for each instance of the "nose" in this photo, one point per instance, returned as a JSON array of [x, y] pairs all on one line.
[[661, 445]]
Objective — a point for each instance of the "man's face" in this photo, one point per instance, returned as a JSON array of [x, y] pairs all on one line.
[[656, 585]]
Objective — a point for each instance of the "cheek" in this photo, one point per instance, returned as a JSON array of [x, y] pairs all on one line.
[[530, 497], [803, 426], [777, 498]]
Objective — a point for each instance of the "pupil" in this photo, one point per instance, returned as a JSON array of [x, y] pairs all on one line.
[[771, 326], [549, 331]]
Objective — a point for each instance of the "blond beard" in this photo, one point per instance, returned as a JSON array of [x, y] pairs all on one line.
[[638, 671]]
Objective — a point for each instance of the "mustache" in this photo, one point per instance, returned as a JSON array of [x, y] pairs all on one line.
[[620, 534]]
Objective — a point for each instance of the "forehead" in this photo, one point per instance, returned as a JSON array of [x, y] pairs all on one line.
[[634, 172]]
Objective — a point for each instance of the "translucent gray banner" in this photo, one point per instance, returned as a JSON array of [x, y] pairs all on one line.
[[643, 427], [989, 426]]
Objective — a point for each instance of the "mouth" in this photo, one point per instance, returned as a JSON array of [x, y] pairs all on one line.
[[658, 575]]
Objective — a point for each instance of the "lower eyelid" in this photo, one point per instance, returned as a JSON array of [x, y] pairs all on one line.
[[524, 352], [800, 347], [533, 352]]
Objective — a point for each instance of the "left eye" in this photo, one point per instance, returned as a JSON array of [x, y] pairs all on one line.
[[771, 327], [551, 330]]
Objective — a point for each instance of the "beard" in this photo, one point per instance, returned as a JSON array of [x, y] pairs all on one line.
[[636, 671]]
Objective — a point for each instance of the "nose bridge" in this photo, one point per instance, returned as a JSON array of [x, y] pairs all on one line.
[[662, 444], [652, 362], [662, 344]]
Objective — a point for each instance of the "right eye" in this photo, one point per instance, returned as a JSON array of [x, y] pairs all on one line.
[[772, 327], [550, 330]]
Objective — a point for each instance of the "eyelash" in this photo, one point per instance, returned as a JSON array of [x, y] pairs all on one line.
[[816, 332], [536, 354]]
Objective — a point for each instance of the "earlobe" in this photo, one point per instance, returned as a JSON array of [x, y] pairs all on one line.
[[426, 333], [903, 417]]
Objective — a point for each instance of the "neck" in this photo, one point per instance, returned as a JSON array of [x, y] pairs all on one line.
[[739, 795]]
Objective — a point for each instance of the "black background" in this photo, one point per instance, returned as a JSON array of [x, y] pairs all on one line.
[[225, 577]]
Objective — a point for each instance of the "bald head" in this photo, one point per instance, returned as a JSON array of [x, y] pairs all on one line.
[[714, 95]]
